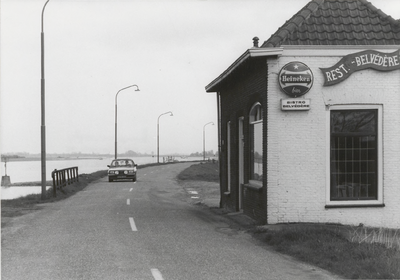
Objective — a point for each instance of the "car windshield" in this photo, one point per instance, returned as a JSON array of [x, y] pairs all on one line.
[[122, 162]]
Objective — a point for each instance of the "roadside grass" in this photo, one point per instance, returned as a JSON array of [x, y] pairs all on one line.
[[343, 250], [387, 237], [19, 206], [204, 171]]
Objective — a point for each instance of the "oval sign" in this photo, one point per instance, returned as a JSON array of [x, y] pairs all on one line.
[[295, 79]]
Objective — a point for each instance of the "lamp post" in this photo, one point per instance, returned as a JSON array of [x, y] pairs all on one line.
[[204, 139], [158, 135], [137, 89], [43, 122]]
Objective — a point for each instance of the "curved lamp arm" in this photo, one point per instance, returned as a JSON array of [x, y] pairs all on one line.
[[158, 134], [137, 89], [204, 139]]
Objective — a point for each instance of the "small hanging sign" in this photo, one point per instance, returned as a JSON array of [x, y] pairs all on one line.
[[359, 61], [294, 104], [295, 79]]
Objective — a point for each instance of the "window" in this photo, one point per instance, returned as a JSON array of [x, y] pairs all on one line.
[[256, 142], [122, 162], [355, 152]]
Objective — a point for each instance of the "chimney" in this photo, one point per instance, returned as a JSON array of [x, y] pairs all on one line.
[[255, 42]]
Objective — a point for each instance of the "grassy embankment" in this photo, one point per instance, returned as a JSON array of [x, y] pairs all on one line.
[[201, 172], [350, 252], [22, 205]]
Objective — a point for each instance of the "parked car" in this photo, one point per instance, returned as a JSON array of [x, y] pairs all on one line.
[[122, 169]]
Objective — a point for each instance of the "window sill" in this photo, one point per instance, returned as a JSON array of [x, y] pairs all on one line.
[[353, 205], [254, 187]]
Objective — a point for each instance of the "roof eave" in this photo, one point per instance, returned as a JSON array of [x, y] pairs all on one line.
[[253, 52]]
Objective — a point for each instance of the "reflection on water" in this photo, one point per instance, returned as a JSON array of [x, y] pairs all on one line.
[[15, 192]]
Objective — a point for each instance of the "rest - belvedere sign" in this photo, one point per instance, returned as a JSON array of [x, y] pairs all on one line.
[[359, 61]]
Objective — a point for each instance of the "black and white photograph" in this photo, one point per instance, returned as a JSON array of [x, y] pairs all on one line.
[[200, 139]]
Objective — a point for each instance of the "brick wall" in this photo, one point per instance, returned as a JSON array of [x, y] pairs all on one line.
[[246, 87], [297, 146]]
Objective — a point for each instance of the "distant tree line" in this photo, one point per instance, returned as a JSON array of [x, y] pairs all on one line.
[[128, 153], [7, 156], [207, 154]]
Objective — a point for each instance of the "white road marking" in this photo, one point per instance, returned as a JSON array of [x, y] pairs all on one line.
[[132, 222], [156, 274], [195, 197], [128, 202], [193, 192], [131, 189]]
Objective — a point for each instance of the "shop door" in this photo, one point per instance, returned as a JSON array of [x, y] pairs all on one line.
[[241, 162], [228, 155]]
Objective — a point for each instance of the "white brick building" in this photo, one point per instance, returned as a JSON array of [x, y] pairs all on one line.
[[299, 185], [337, 158]]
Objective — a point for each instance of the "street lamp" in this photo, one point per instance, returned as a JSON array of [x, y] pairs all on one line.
[[43, 123], [158, 135], [204, 139], [137, 89]]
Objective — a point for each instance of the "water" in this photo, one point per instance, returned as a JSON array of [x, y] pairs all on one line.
[[15, 192], [30, 171]]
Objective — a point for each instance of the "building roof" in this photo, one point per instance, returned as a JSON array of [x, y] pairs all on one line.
[[324, 23], [337, 22]]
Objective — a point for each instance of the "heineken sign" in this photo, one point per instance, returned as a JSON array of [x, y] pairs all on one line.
[[351, 63], [295, 79]]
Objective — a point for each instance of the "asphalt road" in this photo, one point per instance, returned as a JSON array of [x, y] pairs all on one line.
[[143, 230]]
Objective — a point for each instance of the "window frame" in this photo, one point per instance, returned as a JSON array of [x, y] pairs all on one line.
[[252, 122], [379, 161]]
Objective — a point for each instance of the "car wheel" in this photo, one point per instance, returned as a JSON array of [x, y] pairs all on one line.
[[110, 180], [134, 179]]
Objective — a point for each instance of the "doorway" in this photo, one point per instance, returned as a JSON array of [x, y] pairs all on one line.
[[228, 155], [241, 162]]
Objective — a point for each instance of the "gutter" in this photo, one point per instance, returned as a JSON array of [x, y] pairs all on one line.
[[253, 52]]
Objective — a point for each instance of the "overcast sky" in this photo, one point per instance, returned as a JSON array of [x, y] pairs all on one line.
[[94, 48]]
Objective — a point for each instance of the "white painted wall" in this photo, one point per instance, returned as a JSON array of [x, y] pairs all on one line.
[[297, 144]]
